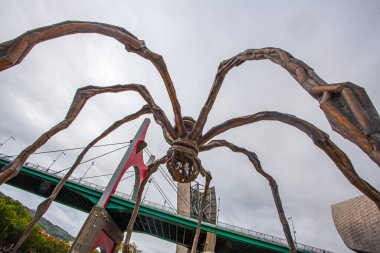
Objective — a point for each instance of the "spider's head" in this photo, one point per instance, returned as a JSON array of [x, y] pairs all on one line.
[[183, 163], [189, 123]]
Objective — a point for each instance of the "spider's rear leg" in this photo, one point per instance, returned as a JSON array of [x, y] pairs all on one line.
[[44, 206], [152, 168], [80, 99], [207, 175], [272, 183]]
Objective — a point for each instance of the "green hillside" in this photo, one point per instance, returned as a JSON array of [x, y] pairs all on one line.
[[14, 219], [49, 227], [54, 230]]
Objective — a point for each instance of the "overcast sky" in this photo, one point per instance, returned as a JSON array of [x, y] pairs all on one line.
[[339, 39]]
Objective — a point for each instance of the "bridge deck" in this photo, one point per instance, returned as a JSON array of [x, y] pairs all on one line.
[[153, 219]]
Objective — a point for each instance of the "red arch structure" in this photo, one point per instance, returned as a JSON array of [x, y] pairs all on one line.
[[104, 242], [100, 230], [133, 157]]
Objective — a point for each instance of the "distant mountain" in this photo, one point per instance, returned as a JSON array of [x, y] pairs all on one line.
[[50, 228]]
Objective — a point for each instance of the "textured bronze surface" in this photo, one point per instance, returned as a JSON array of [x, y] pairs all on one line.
[[347, 107]]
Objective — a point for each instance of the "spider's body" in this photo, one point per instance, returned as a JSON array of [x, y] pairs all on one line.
[[183, 163], [347, 107]]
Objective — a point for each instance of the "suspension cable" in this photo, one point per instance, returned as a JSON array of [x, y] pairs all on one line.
[[97, 176], [107, 175], [162, 193], [167, 178], [96, 157], [71, 149], [126, 177], [162, 171]]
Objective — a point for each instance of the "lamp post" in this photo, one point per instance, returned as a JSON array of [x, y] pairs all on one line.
[[11, 137], [217, 215], [62, 153], [150, 180], [294, 231], [92, 164]]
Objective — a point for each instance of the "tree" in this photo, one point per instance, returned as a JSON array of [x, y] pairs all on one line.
[[14, 219], [132, 248]]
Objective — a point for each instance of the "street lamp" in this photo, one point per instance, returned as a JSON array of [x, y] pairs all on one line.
[[92, 164], [217, 215], [1, 144], [62, 153], [150, 180], [294, 231]]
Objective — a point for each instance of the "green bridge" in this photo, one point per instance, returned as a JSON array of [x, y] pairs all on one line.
[[153, 219]]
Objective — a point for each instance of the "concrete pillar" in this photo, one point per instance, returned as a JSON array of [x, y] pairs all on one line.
[[210, 243], [99, 230], [183, 207]]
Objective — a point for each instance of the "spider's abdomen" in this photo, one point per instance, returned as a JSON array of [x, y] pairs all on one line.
[[183, 163]]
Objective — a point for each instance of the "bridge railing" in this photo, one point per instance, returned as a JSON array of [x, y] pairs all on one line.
[[269, 238], [58, 174], [240, 230]]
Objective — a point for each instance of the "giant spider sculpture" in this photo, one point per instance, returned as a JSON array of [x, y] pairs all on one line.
[[346, 106]]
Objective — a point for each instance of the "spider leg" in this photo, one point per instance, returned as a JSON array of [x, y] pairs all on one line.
[[13, 52], [44, 206], [82, 95], [320, 139], [361, 121], [272, 183], [354, 116], [208, 176], [152, 168]]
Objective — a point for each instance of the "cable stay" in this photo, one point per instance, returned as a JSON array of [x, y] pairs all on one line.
[[71, 149], [108, 175], [168, 179], [92, 159], [126, 177], [163, 194]]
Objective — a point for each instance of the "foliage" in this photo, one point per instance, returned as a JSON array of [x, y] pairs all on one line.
[[14, 219], [54, 230], [132, 248]]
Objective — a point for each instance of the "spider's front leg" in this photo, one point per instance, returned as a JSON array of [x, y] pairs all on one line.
[[208, 177], [14, 51], [360, 118], [319, 138], [272, 183], [354, 116], [44, 206], [151, 169]]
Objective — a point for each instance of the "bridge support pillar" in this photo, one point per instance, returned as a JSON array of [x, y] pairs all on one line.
[[183, 208], [210, 243], [99, 230]]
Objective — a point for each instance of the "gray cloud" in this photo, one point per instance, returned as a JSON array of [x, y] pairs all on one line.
[[339, 39]]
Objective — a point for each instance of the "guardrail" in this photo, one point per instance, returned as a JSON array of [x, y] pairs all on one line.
[[236, 229]]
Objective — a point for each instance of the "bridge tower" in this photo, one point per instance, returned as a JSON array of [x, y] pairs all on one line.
[[183, 207], [188, 201], [209, 212], [100, 230]]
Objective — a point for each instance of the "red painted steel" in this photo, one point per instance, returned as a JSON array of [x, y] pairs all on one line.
[[104, 242], [136, 159]]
